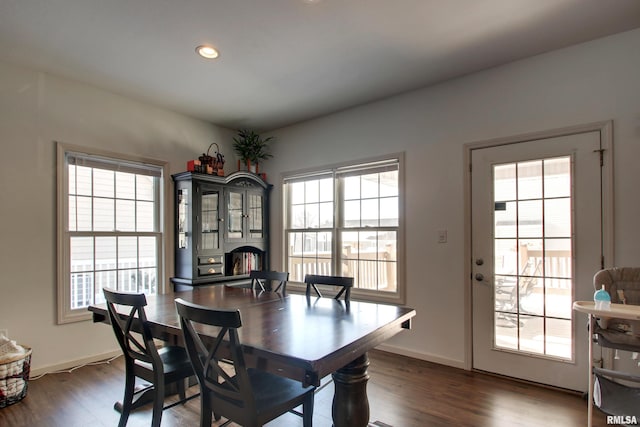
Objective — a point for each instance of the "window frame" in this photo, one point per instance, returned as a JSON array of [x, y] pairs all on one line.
[[65, 314], [397, 297]]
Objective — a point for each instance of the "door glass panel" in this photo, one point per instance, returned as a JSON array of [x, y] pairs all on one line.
[[530, 218], [533, 257], [504, 183], [183, 218], [558, 337], [210, 215], [505, 217], [506, 257], [255, 216], [558, 298], [508, 338], [235, 212], [557, 217], [557, 177], [529, 182], [532, 334]]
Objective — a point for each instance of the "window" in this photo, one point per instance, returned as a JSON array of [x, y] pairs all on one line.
[[109, 228], [346, 221]]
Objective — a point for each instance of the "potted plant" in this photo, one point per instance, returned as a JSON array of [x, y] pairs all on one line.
[[251, 148]]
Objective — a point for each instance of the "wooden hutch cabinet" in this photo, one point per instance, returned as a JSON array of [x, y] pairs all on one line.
[[221, 228]]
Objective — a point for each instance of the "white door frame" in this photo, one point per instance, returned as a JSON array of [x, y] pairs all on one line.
[[606, 136]]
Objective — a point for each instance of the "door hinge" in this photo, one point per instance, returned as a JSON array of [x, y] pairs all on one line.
[[601, 152]]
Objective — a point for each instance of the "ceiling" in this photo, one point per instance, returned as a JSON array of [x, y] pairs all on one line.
[[285, 61]]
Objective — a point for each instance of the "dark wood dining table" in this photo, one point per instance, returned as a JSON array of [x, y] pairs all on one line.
[[303, 338]]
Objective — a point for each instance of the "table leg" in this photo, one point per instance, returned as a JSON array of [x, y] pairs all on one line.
[[350, 404]]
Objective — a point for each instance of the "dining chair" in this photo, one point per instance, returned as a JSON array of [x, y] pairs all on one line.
[[265, 279], [160, 367], [312, 280], [246, 396]]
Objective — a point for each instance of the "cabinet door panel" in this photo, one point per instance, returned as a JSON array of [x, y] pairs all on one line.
[[255, 215], [183, 218], [210, 218], [235, 215]]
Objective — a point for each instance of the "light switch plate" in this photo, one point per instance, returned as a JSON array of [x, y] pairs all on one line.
[[442, 236]]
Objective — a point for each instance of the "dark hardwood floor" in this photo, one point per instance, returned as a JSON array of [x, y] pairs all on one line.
[[403, 392]]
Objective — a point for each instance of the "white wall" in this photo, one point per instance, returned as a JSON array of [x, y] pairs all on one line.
[[586, 83], [37, 109]]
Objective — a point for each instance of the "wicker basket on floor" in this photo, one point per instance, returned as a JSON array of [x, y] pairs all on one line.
[[14, 378]]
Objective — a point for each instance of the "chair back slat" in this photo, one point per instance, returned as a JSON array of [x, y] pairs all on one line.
[[312, 280], [264, 279], [124, 327]]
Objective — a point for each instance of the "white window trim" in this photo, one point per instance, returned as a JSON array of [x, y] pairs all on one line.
[[64, 312], [398, 298]]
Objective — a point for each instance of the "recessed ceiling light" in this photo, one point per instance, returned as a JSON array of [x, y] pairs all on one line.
[[207, 51]]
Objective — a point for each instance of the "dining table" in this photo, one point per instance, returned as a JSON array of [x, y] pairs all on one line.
[[290, 334]]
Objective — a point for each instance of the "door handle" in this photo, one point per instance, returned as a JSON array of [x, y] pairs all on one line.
[[479, 277]]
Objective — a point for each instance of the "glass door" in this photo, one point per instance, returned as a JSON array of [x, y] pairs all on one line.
[[235, 215], [255, 215], [210, 214], [536, 239], [183, 218], [533, 279]]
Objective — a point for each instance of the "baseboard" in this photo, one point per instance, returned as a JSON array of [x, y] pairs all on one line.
[[422, 356], [73, 363]]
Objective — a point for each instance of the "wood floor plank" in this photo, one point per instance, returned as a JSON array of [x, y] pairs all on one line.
[[403, 392]]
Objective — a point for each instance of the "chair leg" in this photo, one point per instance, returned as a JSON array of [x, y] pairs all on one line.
[[127, 400], [158, 400], [307, 410], [181, 390], [205, 410]]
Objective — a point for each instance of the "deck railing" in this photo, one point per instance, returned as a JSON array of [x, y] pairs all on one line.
[[371, 270]]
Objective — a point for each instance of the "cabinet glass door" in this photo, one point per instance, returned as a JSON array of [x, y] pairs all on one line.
[[235, 213], [183, 218], [255, 215], [210, 214]]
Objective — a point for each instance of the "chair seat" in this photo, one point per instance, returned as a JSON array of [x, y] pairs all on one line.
[[272, 391], [274, 395], [174, 360]]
